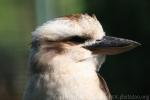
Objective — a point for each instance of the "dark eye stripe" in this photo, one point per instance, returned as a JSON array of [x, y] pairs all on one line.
[[73, 39], [78, 39]]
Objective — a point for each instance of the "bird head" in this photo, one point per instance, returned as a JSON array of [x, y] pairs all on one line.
[[75, 38]]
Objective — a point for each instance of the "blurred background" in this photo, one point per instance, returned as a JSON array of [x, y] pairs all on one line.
[[126, 74]]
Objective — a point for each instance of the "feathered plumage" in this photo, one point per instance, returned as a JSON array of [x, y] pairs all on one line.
[[65, 56]]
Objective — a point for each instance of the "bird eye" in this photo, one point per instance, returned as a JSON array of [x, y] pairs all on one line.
[[77, 39]]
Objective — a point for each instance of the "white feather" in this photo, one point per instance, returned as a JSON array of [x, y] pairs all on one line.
[[65, 27]]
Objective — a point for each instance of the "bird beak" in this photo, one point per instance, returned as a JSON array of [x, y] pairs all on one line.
[[111, 45]]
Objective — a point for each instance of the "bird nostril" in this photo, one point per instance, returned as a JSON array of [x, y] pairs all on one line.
[[98, 40]]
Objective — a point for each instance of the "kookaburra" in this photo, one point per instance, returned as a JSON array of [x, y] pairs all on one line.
[[66, 54]]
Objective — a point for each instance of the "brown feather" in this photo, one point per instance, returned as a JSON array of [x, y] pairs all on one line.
[[104, 87]]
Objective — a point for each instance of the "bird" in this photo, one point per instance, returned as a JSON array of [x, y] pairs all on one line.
[[65, 57]]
